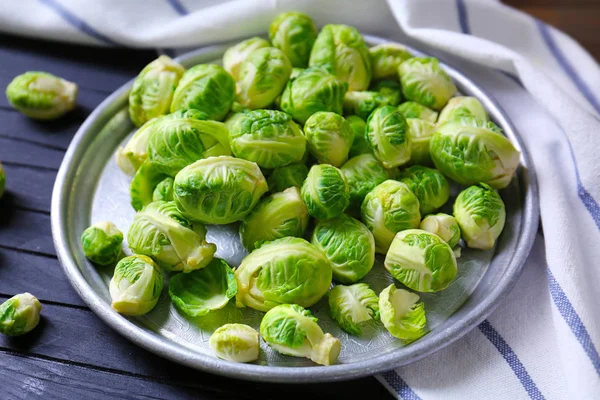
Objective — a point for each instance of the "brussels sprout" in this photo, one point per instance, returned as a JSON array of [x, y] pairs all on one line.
[[136, 285], [164, 190], [390, 89], [363, 103], [389, 208], [353, 306], [205, 87], [421, 261], [144, 183], [3, 180], [386, 58], [19, 314], [218, 190], [153, 89], [476, 123], [421, 132], [235, 342], [325, 192], [348, 244], [469, 155], [341, 49], [101, 243], [429, 185], [269, 138], [161, 232], [313, 90], [294, 33], [480, 213], [292, 330], [410, 109], [263, 76], [388, 134], [203, 290], [279, 215], [296, 72], [359, 144], [459, 107], [363, 173], [424, 81], [402, 314], [329, 137], [40, 95], [443, 225], [235, 55], [284, 177], [287, 270]]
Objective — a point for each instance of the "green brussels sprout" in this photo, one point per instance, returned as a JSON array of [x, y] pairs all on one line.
[[164, 190], [421, 261], [161, 232], [475, 123], [136, 285], [424, 81], [349, 246], [359, 144], [294, 33], [296, 72], [390, 89], [284, 177], [354, 306], [363, 103], [19, 314], [143, 185], [387, 209], [287, 270], [203, 290], [341, 49], [443, 225], [313, 90], [469, 155], [325, 192], [235, 342], [388, 134], [235, 55], [421, 132], [410, 109], [386, 58], [263, 76], [3, 180], [278, 215], [218, 190], [292, 330], [363, 173], [153, 89], [205, 87], [329, 137], [459, 107], [40, 95], [101, 243], [402, 314], [429, 185], [269, 138], [481, 214]]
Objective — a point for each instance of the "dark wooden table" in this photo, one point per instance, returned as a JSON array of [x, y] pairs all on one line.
[[72, 354]]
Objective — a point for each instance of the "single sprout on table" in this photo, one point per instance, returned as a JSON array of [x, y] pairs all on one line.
[[284, 177], [429, 185], [386, 58], [40, 95], [235, 55], [363, 103], [402, 314], [443, 225], [325, 192], [2, 180], [421, 132], [292, 330], [19, 314], [461, 107], [425, 82], [363, 173], [388, 134], [359, 144], [352, 307], [235, 342], [411, 109], [390, 89], [102, 242], [136, 285], [164, 190], [329, 137], [294, 33]]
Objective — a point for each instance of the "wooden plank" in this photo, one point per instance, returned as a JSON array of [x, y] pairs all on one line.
[[26, 230], [55, 134], [34, 155], [27, 188]]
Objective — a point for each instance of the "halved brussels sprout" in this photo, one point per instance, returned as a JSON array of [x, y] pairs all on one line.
[[101, 243], [219, 190], [136, 285], [359, 144], [443, 225], [287, 270], [3, 180], [235, 342], [386, 58], [203, 290], [410, 109], [325, 192], [143, 185], [468, 155], [424, 81], [363, 103], [421, 261], [363, 173], [313, 90], [429, 185], [292, 330], [460, 107], [164, 190], [480, 213], [263, 76], [354, 306], [269, 138], [294, 33], [390, 89], [19, 314], [348, 244], [341, 49], [160, 231], [153, 89], [205, 87], [235, 55], [402, 314], [389, 208], [329, 137], [388, 134], [278, 215], [421, 132], [284, 177], [40, 95]]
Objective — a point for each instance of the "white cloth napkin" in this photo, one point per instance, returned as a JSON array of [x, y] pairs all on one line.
[[543, 340]]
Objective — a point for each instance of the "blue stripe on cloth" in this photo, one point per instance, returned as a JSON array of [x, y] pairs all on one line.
[[511, 358], [463, 17], [78, 23], [399, 386], [177, 6]]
